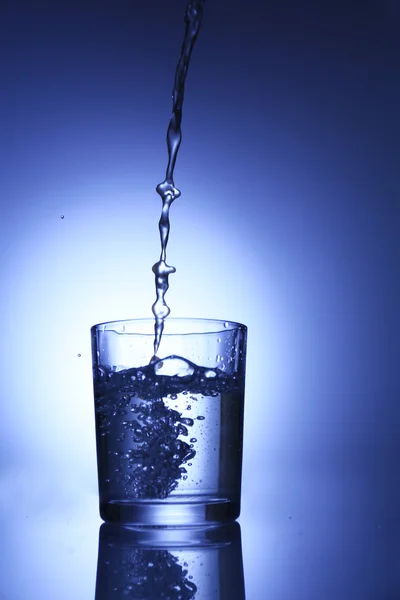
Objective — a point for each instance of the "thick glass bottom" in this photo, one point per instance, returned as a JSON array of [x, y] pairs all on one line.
[[179, 511]]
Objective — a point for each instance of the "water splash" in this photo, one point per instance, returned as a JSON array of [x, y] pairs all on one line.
[[167, 190]]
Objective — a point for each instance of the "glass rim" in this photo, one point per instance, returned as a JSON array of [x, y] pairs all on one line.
[[225, 326]]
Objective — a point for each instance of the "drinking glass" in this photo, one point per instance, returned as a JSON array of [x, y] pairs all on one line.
[[169, 428]]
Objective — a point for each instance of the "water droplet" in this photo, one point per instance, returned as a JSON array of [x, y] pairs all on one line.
[[200, 418], [79, 355], [62, 216], [189, 464], [193, 439]]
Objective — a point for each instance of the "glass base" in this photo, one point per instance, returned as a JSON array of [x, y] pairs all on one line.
[[180, 511]]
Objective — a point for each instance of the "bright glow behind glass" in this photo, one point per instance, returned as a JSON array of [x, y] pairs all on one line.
[[292, 208]]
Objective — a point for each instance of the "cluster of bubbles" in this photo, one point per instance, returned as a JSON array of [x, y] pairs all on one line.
[[155, 462], [148, 573], [130, 406]]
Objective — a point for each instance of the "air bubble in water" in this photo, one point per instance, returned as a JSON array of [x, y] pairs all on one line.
[[79, 355], [210, 373], [62, 216], [174, 366]]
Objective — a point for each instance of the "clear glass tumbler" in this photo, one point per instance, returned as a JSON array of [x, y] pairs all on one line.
[[169, 429]]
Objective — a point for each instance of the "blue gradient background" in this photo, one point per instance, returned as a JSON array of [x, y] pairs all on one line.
[[289, 222]]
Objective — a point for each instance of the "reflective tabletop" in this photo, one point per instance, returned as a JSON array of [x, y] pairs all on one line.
[[332, 536]]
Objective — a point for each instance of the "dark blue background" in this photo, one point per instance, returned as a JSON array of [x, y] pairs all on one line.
[[289, 221]]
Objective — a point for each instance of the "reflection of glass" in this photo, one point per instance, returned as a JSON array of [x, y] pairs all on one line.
[[169, 432], [174, 564]]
